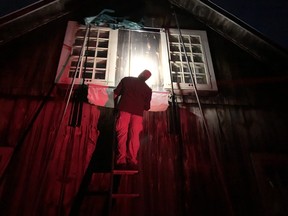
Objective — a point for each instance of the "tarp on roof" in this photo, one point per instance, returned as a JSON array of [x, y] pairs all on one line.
[[103, 19]]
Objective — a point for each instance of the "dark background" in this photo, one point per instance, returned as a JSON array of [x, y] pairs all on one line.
[[269, 17], [8, 6]]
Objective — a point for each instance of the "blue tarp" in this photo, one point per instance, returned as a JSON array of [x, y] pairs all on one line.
[[103, 19]]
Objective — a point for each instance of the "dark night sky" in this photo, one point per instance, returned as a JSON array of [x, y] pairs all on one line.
[[8, 6], [269, 17]]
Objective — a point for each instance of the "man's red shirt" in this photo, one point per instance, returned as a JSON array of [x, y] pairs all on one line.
[[135, 95]]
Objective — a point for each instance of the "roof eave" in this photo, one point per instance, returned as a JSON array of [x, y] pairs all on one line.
[[233, 31], [33, 19]]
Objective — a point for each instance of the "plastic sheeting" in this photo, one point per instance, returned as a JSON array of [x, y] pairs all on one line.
[[103, 19], [103, 96]]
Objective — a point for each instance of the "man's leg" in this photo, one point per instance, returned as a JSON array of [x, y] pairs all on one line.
[[122, 124], [136, 127]]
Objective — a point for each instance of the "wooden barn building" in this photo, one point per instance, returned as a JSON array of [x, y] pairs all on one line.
[[213, 143]]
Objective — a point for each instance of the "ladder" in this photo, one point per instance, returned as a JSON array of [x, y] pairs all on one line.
[[116, 190], [116, 176], [119, 189]]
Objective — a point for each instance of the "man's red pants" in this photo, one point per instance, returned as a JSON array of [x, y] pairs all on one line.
[[128, 128]]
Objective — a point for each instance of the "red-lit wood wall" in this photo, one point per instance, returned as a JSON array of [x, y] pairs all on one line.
[[183, 173]]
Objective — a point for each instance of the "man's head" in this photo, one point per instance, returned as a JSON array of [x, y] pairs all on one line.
[[144, 75]]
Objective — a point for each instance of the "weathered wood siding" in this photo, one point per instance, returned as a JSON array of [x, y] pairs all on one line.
[[47, 167], [195, 172]]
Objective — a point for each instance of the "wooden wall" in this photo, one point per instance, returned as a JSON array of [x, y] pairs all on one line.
[[221, 171]]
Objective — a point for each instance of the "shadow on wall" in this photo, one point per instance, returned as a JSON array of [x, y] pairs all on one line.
[[102, 157]]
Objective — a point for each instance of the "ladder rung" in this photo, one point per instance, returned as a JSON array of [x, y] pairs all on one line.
[[97, 193], [125, 195], [125, 172]]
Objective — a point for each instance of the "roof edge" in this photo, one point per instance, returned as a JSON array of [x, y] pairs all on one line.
[[232, 30], [32, 19]]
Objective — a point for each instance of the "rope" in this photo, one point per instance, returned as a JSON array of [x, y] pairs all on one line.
[[172, 88], [192, 78], [212, 152], [70, 90]]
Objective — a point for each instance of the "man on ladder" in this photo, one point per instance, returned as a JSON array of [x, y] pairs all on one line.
[[135, 98]]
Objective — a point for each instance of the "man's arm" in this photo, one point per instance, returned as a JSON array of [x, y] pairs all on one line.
[[115, 110], [115, 100], [148, 101], [117, 92]]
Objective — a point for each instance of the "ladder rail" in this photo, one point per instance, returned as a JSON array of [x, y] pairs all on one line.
[[113, 148]]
